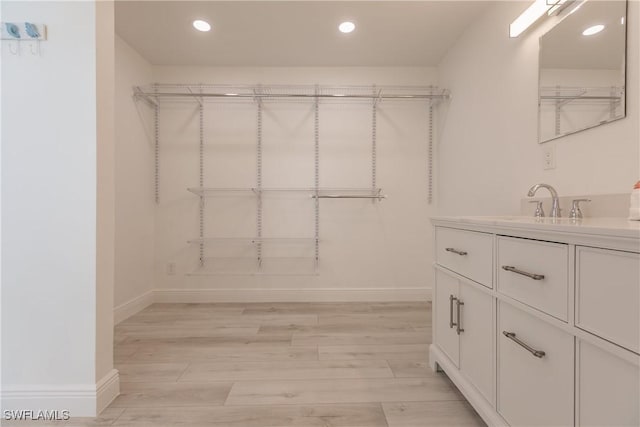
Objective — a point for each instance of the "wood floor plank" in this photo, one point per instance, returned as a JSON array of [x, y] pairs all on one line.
[[154, 331], [338, 329], [203, 372], [426, 331], [370, 338], [382, 319], [209, 341], [158, 394], [432, 414], [306, 308], [341, 391], [410, 368], [225, 320], [395, 351], [150, 372], [224, 354], [360, 415]]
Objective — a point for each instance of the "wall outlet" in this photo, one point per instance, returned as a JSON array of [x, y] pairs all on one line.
[[549, 156], [171, 268]]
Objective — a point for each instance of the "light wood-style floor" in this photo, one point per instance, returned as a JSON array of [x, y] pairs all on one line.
[[280, 364]]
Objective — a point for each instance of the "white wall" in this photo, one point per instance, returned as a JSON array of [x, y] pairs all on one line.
[[135, 206], [489, 155], [50, 134], [367, 250]]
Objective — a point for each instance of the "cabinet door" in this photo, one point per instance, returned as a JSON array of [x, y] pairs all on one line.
[[608, 388], [534, 390], [477, 339], [446, 296]]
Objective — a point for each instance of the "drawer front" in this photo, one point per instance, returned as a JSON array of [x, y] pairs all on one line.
[[607, 388], [541, 274], [534, 391], [608, 295], [468, 253]]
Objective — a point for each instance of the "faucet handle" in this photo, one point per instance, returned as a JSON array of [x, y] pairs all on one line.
[[539, 213], [576, 213]]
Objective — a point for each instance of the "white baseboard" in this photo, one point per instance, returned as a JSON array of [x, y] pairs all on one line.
[[107, 389], [129, 308], [81, 400], [290, 295]]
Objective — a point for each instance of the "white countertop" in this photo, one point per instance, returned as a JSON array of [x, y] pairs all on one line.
[[618, 227]]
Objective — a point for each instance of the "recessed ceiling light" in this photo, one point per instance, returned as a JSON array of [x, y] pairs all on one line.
[[201, 25], [347, 27], [593, 30]]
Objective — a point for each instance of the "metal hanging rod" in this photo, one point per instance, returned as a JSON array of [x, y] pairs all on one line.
[[346, 196], [573, 97], [156, 92]]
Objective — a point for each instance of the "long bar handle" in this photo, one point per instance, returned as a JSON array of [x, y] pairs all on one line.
[[512, 336], [459, 325], [524, 273], [451, 322], [455, 251]]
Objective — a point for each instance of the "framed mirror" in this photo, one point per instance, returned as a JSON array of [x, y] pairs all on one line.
[[582, 69]]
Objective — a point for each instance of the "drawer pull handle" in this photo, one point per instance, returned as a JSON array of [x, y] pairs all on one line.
[[512, 336], [451, 322], [455, 251], [458, 326], [524, 273]]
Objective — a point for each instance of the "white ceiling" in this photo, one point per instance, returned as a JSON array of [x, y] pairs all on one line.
[[295, 33]]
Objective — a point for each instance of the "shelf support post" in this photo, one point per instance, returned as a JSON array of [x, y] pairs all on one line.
[[201, 179], [316, 178], [156, 148], [259, 178]]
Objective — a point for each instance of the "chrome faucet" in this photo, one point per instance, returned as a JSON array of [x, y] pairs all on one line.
[[555, 202]]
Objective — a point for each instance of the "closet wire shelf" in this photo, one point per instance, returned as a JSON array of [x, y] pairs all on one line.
[[157, 93]]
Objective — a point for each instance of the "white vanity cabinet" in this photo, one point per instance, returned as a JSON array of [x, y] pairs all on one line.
[[538, 322]]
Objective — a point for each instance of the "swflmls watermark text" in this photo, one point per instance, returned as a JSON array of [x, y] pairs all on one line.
[[36, 415]]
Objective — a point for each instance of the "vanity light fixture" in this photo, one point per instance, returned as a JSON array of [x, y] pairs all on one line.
[[529, 17], [535, 12], [347, 27], [593, 30], [201, 25]]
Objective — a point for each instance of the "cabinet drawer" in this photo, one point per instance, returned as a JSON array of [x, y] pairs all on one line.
[[534, 391], [608, 295], [541, 274], [468, 253]]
